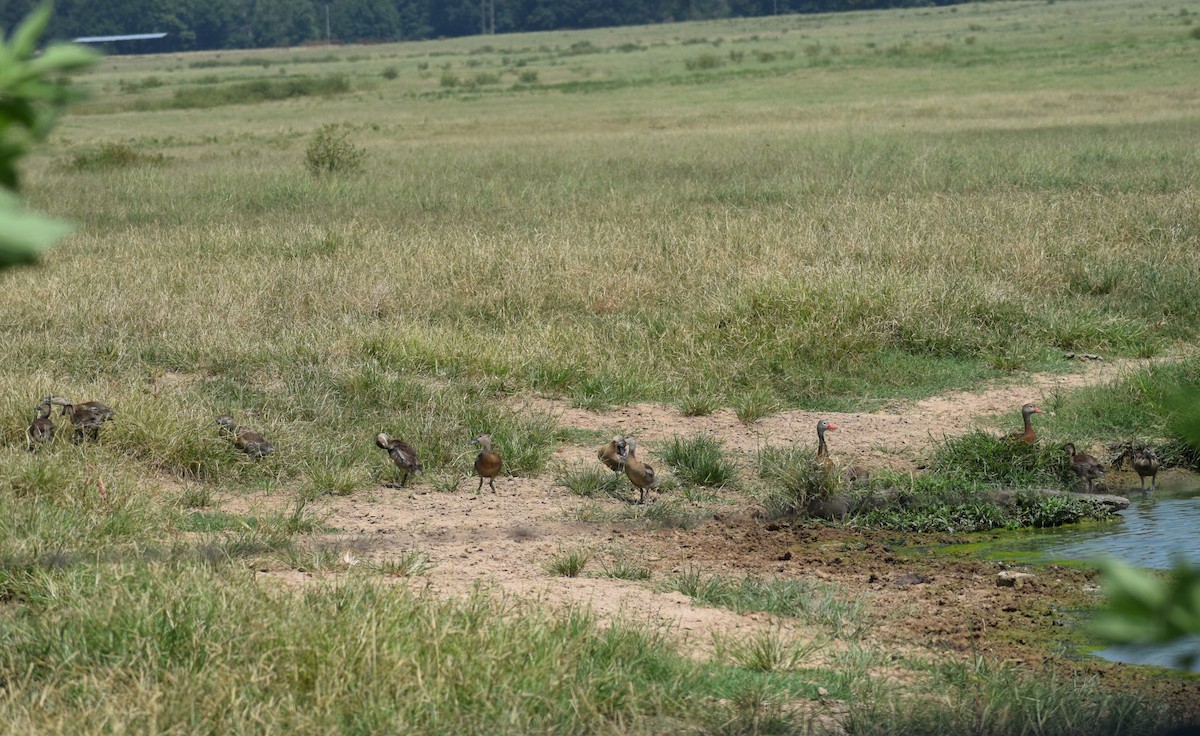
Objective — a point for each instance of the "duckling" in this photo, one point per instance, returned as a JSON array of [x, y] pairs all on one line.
[[247, 440], [1146, 464], [852, 474], [610, 454], [641, 475], [1027, 435], [41, 430], [86, 418], [402, 454], [487, 463], [1085, 466]]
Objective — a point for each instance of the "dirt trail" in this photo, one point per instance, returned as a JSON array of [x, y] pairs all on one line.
[[504, 540]]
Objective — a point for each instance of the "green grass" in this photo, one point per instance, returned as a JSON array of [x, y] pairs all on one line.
[[592, 480], [850, 209], [811, 602], [700, 460], [568, 563], [792, 478]]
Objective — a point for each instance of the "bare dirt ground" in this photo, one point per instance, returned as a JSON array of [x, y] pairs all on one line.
[[932, 606]]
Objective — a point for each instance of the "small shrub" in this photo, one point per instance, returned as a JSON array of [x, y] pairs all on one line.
[[703, 62], [1195, 33], [113, 156], [449, 79], [568, 563], [979, 457], [330, 153], [390, 72], [528, 76], [700, 460]]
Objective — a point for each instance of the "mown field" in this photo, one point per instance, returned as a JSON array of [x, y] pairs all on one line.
[[820, 212]]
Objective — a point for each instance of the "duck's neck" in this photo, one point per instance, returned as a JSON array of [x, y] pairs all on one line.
[[1028, 422], [822, 450]]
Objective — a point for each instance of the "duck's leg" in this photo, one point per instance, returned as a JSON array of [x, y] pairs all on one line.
[[404, 479], [480, 487], [492, 484], [642, 497]]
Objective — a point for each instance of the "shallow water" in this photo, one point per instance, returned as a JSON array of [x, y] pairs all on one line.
[[1156, 530]]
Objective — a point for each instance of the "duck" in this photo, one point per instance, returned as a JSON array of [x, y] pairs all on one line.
[[823, 458], [487, 463], [402, 454], [1085, 466], [852, 474], [1146, 464], [1027, 435], [86, 418], [41, 430], [641, 475], [247, 440], [610, 454]]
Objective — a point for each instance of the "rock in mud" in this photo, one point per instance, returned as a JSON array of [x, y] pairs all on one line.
[[1013, 579]]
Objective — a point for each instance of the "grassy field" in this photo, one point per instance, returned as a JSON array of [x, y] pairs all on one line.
[[825, 212]]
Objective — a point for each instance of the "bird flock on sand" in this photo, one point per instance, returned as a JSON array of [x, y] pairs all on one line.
[[619, 454]]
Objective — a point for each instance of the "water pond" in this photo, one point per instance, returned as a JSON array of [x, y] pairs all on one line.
[[1157, 529]]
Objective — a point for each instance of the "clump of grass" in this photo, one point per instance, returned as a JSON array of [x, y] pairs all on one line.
[[623, 568], [812, 602], [109, 156], [703, 62], [978, 696], [409, 563], [699, 404], [568, 562], [330, 153], [752, 405], [700, 460], [794, 479], [768, 650], [982, 458], [591, 481]]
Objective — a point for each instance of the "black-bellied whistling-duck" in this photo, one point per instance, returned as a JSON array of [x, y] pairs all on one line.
[[852, 474], [641, 475], [86, 418], [610, 454], [247, 440], [41, 429], [402, 454], [1146, 464], [824, 426], [1085, 466], [487, 463], [1027, 435]]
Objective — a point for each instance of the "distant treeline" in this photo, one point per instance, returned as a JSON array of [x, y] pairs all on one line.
[[222, 24]]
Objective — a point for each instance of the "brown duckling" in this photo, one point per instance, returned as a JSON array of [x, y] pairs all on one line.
[[247, 440], [487, 463], [1146, 464], [641, 475], [852, 474], [86, 418], [1085, 466], [1027, 435], [402, 454], [610, 454], [41, 430]]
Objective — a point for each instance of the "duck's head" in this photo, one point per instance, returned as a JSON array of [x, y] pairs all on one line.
[[1069, 448], [483, 440], [43, 410], [382, 440], [1148, 451], [824, 426], [1030, 409], [626, 446], [225, 421]]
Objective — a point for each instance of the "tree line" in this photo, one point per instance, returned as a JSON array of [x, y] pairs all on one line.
[[222, 24]]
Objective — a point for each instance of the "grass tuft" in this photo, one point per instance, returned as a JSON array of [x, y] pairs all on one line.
[[700, 460]]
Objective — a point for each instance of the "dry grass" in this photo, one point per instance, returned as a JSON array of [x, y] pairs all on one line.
[[863, 207]]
